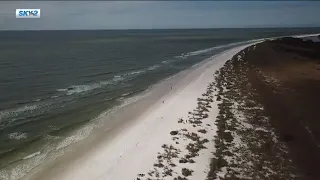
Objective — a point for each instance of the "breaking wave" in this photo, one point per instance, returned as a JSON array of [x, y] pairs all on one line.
[[154, 67], [17, 111], [32, 155], [75, 89], [84, 88], [39, 106], [17, 135], [312, 38], [208, 50]]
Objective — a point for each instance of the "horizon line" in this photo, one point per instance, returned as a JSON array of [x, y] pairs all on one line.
[[293, 27]]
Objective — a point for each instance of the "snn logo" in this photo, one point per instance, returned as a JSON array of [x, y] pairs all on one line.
[[27, 13]]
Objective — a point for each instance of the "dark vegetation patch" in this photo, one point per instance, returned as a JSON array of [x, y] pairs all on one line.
[[186, 172], [180, 178], [183, 160], [174, 133], [181, 120], [141, 175], [203, 131]]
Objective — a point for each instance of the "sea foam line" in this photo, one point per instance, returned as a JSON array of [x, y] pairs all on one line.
[[207, 50], [202, 51], [17, 135], [32, 155], [74, 89]]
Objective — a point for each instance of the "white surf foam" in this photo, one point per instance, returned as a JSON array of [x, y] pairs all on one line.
[[22, 169], [312, 38], [86, 130], [126, 94], [32, 155], [16, 111], [154, 67], [78, 135], [166, 62], [75, 89], [62, 90], [134, 73], [207, 50], [306, 35], [84, 88], [202, 51], [37, 100], [17, 135]]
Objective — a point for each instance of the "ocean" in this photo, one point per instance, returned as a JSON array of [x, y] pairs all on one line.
[[53, 83]]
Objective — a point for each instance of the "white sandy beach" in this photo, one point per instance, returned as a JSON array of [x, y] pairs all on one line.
[[132, 148]]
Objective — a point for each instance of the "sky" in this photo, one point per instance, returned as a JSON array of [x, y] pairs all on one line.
[[57, 15]]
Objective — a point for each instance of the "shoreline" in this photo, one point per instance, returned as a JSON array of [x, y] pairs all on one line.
[[155, 121], [127, 117]]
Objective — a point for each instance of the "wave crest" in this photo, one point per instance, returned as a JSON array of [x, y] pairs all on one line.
[[76, 89], [207, 50], [17, 111], [17, 135]]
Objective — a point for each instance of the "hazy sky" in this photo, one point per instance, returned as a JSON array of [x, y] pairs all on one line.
[[160, 14]]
